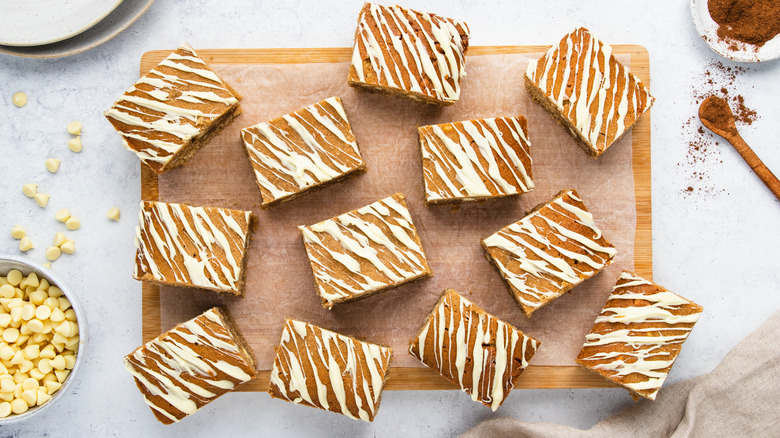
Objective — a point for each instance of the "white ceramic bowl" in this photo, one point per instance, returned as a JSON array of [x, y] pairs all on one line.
[[8, 263]]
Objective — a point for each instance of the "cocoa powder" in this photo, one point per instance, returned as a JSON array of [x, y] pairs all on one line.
[[750, 21], [703, 156]]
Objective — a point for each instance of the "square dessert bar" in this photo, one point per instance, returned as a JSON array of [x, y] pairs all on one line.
[[473, 349], [548, 252], [638, 335], [302, 150], [476, 159], [409, 54], [323, 369], [190, 365], [587, 90], [173, 110], [180, 245], [364, 251]]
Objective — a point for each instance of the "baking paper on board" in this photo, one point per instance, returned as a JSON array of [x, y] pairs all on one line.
[[279, 282]]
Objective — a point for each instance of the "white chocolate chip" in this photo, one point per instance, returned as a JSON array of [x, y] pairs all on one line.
[[62, 215], [5, 409], [10, 334], [72, 223], [61, 375], [28, 311], [43, 313], [14, 277], [36, 374], [41, 199], [74, 144], [36, 325], [30, 189], [17, 232], [53, 253], [58, 363], [25, 244], [51, 385], [59, 239], [19, 406], [31, 280], [19, 99], [7, 291], [113, 213], [74, 127], [69, 247], [30, 383], [43, 396], [54, 292], [70, 361], [30, 396], [52, 164], [31, 352]]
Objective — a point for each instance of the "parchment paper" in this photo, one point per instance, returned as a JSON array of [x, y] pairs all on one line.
[[279, 281]]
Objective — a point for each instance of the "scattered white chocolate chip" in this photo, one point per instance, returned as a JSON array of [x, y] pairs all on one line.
[[74, 127], [74, 144], [41, 199], [25, 244], [30, 189], [53, 253], [17, 232], [47, 265], [69, 247], [113, 213], [19, 99], [52, 164], [59, 239], [72, 223], [62, 215]]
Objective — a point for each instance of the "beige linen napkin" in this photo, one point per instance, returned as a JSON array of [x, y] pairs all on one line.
[[737, 399]]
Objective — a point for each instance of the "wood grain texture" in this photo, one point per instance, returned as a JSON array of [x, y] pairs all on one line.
[[535, 376]]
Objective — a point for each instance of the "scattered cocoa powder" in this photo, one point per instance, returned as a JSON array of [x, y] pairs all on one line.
[[703, 156], [750, 21]]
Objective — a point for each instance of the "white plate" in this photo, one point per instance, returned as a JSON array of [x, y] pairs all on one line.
[[37, 22], [708, 30], [117, 21]]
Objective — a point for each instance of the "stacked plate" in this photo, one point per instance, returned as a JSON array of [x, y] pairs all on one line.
[[54, 28]]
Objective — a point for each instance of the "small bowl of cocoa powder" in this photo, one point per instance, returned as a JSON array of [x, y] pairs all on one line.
[[739, 30]]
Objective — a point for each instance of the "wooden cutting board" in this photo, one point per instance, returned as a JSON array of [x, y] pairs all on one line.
[[534, 376]]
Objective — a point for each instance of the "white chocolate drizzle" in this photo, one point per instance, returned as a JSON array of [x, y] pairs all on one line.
[[348, 371], [174, 368], [360, 252], [469, 166], [169, 106], [473, 349], [411, 51], [596, 93], [544, 257], [293, 152], [642, 324], [191, 246]]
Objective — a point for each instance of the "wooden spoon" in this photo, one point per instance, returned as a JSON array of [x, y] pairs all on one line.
[[716, 115]]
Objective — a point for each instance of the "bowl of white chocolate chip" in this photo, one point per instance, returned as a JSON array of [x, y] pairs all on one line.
[[43, 332]]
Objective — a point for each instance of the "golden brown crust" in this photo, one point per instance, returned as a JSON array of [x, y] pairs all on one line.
[[638, 335], [409, 54], [529, 265], [476, 351]]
